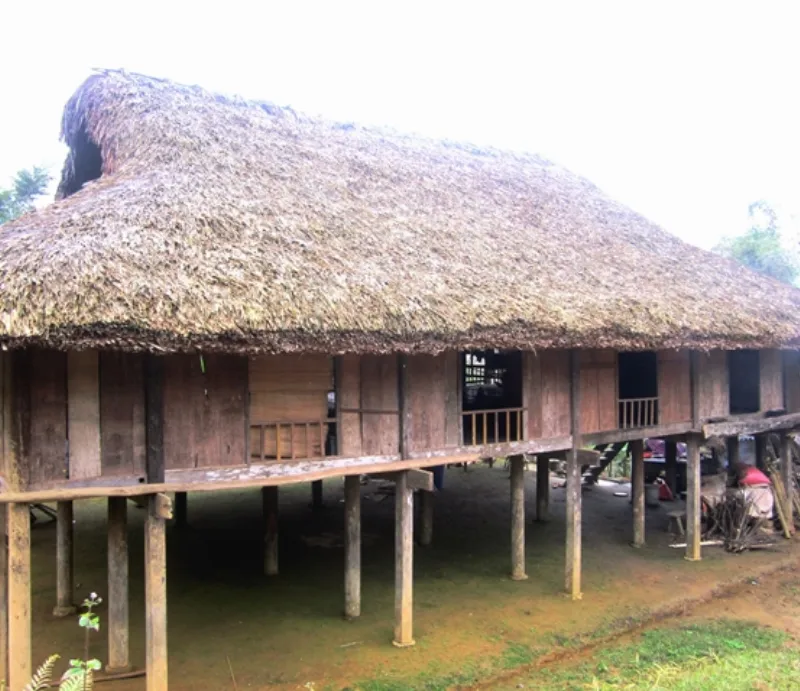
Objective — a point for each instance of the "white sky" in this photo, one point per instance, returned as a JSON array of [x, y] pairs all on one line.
[[685, 111]]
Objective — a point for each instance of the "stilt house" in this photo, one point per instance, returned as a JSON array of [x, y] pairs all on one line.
[[231, 294]]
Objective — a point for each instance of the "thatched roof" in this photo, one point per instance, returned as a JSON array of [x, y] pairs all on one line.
[[229, 225]]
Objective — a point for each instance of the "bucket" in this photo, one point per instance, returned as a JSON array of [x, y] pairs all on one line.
[[651, 495]]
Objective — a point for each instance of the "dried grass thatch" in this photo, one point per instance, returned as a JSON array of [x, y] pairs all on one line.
[[229, 225]]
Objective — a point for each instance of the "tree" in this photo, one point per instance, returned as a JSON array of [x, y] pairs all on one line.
[[760, 248], [28, 186]]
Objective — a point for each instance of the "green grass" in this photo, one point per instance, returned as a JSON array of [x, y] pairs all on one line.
[[718, 655]]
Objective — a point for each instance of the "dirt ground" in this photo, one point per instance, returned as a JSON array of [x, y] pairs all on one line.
[[287, 632]]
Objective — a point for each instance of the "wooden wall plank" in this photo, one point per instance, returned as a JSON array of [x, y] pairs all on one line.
[[379, 433], [48, 416], [348, 395], [18, 435], [427, 397], [83, 414], [771, 379], [205, 411], [452, 401], [713, 396], [122, 429], [674, 387], [598, 381], [548, 397], [791, 366]]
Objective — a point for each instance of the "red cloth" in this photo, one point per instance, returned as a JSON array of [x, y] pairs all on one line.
[[753, 476], [664, 492]]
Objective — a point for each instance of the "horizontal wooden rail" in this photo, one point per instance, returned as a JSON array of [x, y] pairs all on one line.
[[304, 438], [494, 426], [637, 412]]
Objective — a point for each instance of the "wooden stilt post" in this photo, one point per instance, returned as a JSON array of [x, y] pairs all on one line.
[[155, 588], [637, 491], [574, 499], [181, 509], [693, 529], [404, 562], [426, 500], [118, 626], [316, 495], [64, 560], [518, 518], [352, 546], [787, 475], [270, 503], [671, 465], [542, 488], [3, 597], [761, 451], [19, 596]]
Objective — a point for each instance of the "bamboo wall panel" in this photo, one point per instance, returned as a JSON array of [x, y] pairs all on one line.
[[349, 398], [791, 364], [122, 430], [427, 398], [47, 455], [713, 395], [205, 413], [674, 387], [771, 379], [289, 388], [380, 434], [546, 376], [83, 413], [598, 395]]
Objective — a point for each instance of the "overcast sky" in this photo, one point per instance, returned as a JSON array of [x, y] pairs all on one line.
[[685, 111]]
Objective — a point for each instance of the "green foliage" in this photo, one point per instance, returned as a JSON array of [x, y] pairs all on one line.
[[44, 675], [760, 248], [28, 186]]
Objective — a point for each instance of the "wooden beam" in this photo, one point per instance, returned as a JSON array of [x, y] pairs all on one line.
[[19, 596], [404, 405], [118, 607], [674, 429], [154, 418], [530, 446], [64, 560], [542, 488], [573, 504], [181, 509], [637, 491], [416, 479], [426, 501], [518, 518], [316, 495], [751, 426], [352, 547], [404, 564], [787, 475], [155, 585], [269, 497], [693, 530]]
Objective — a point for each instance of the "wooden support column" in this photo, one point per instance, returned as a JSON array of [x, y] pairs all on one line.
[[352, 546], [118, 620], [3, 596], [542, 488], [426, 500], [404, 562], [154, 418], [270, 503], [761, 452], [155, 591], [637, 491], [734, 457], [574, 499], [316, 495], [64, 560], [19, 596], [181, 509], [787, 475], [671, 465], [518, 518], [693, 528]]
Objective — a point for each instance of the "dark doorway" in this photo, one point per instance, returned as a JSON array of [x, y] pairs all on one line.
[[491, 385], [638, 389], [744, 381]]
